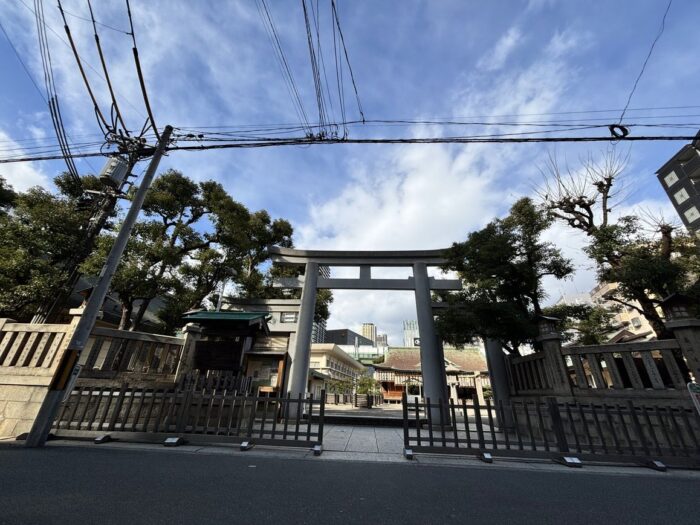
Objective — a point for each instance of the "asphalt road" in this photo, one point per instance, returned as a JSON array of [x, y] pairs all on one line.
[[75, 485]]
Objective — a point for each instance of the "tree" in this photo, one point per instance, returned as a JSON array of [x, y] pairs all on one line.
[[7, 196], [261, 232], [647, 267], [502, 267], [192, 237], [40, 240], [583, 324]]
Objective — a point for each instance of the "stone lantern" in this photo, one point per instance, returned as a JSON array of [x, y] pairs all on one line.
[[548, 327], [676, 307], [686, 329], [550, 339]]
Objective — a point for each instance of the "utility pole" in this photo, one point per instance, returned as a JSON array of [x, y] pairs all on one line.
[[49, 408], [50, 310]]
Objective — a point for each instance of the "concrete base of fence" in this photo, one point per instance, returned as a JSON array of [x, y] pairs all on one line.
[[192, 439], [19, 405]]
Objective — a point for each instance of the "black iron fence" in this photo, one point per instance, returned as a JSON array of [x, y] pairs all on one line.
[[142, 414], [598, 432]]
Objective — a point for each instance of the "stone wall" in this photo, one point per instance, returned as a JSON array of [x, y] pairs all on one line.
[[29, 357], [19, 405]]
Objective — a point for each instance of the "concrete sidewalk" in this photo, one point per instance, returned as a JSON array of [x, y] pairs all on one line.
[[346, 438]]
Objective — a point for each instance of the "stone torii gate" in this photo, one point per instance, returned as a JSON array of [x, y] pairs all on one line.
[[431, 352]]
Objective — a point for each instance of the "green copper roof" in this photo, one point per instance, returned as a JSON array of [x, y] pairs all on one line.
[[225, 316]]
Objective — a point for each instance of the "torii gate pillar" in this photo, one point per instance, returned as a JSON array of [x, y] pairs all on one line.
[[432, 358], [299, 370]]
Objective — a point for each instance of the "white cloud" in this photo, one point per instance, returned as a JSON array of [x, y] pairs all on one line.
[[420, 197], [21, 175], [496, 58]]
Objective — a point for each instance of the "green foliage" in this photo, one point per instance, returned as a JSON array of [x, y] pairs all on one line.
[[7, 196], [646, 267], [583, 324], [39, 239], [367, 385], [337, 386], [502, 267], [194, 237]]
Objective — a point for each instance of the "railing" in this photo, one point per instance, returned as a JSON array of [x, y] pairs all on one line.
[[25, 345], [529, 373], [121, 355], [655, 365], [652, 371], [597, 432], [140, 414]]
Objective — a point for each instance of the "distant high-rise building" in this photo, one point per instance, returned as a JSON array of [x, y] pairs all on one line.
[[411, 337], [370, 332], [382, 340], [318, 330]]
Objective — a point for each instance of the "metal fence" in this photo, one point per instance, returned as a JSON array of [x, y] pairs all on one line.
[[597, 432], [141, 414]]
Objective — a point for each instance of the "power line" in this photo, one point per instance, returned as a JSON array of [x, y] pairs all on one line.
[[307, 141], [93, 68], [97, 22], [644, 65], [139, 72], [101, 120], [115, 105], [269, 26], [318, 87], [347, 58], [51, 94]]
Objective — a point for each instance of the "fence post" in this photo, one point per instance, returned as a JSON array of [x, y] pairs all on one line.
[[321, 415], [193, 333], [118, 407], [550, 339], [557, 424]]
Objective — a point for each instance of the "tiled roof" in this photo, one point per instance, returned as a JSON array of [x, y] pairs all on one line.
[[408, 359]]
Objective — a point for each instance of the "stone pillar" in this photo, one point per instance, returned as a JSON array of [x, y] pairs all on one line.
[[498, 376], [299, 369], [498, 372], [192, 334], [432, 359], [551, 346]]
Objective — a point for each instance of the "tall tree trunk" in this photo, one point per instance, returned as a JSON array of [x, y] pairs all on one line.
[[649, 311], [126, 315], [139, 314]]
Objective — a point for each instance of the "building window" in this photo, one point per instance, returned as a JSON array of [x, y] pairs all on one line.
[[288, 317]]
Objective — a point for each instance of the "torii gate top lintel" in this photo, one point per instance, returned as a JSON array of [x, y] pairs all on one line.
[[294, 257]]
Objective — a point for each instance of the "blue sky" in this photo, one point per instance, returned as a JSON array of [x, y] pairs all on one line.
[[211, 63]]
